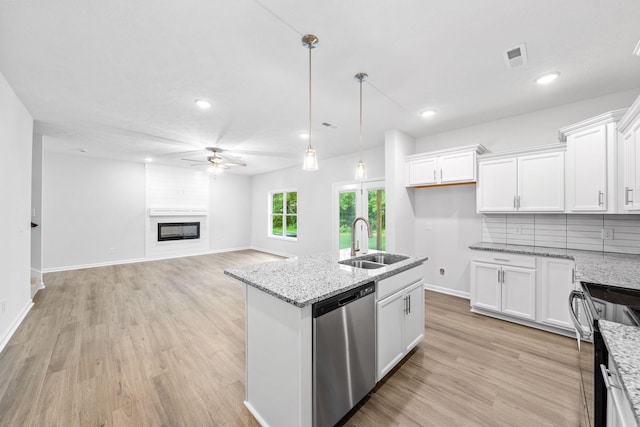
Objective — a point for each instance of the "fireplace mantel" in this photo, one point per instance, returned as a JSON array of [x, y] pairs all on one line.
[[178, 212]]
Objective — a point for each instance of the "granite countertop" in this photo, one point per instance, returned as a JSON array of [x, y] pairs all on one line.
[[623, 342], [308, 279], [607, 268]]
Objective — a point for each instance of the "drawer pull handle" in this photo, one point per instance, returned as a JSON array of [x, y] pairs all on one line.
[[502, 259]]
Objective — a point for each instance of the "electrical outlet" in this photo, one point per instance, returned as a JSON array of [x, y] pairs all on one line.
[[112, 250], [442, 271], [607, 234], [517, 230]]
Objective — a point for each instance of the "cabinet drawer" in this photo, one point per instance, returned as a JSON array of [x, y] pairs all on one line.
[[502, 258], [394, 283]]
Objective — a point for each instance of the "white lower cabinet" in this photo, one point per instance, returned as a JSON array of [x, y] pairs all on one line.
[[503, 288], [526, 289], [400, 326], [619, 410], [556, 281]]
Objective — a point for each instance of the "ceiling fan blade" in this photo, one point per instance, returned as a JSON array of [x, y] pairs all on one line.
[[196, 161]]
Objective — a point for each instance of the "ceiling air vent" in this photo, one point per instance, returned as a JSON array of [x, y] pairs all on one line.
[[515, 57]]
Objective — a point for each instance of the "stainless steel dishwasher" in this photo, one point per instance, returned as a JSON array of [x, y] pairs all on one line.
[[343, 353]]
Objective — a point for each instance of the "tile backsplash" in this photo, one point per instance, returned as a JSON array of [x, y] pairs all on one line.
[[567, 231]]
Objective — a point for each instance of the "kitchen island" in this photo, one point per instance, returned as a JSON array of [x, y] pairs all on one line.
[[279, 297]]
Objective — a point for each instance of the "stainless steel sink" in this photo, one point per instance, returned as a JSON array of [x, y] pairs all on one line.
[[386, 259], [373, 261], [359, 263]]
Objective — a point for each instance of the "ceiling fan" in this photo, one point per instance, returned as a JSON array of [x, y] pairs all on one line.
[[217, 160]]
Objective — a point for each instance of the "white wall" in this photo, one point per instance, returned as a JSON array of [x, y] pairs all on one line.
[[400, 200], [91, 206], [314, 201], [451, 210], [36, 210], [230, 212], [16, 133]]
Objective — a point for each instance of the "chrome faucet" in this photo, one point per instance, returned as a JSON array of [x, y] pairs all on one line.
[[355, 247]]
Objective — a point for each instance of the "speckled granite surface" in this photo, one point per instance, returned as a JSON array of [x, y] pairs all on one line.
[[607, 268], [623, 343], [308, 279]]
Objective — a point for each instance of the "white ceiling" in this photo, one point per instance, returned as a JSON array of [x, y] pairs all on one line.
[[119, 78]]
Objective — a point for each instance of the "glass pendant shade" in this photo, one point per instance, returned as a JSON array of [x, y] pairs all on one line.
[[361, 170], [310, 160]]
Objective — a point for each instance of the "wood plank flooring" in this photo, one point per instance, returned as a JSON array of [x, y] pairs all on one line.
[[162, 344]]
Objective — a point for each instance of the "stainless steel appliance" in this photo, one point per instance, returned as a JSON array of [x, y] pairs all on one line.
[[587, 306], [343, 353]]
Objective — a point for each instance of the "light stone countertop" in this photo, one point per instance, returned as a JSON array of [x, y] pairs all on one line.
[[623, 343], [308, 279], [605, 268]]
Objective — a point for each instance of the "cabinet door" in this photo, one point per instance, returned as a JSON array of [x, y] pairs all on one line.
[[422, 171], [389, 332], [414, 316], [519, 292], [541, 183], [485, 285], [497, 185], [555, 283], [587, 170], [629, 175], [636, 166], [459, 167]]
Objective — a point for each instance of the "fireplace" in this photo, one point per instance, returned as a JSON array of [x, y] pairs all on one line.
[[178, 231]]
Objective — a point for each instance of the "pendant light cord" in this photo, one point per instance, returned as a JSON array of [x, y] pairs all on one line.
[[310, 47], [360, 120]]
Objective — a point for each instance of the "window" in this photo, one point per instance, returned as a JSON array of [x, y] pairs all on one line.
[[283, 218]]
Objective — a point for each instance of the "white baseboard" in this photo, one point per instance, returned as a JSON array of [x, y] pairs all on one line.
[[269, 251], [12, 329], [255, 413], [442, 290], [135, 260], [97, 264]]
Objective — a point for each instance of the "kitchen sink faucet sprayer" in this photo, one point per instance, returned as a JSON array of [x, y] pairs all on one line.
[[355, 245]]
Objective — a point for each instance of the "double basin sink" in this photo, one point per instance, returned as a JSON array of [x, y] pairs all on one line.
[[373, 261]]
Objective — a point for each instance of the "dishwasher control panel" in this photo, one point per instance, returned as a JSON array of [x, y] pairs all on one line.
[[371, 288]]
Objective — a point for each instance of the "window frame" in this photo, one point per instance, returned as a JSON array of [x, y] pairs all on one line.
[[284, 214]]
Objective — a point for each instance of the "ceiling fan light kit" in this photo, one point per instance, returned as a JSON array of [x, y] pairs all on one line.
[[361, 168], [310, 162]]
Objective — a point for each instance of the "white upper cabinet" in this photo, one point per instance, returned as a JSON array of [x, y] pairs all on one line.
[[498, 185], [522, 181], [444, 167], [629, 127], [591, 163]]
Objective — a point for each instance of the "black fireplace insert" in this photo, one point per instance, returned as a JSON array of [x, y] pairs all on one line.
[[178, 231]]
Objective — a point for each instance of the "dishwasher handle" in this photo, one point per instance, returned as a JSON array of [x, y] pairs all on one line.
[[338, 301], [348, 299]]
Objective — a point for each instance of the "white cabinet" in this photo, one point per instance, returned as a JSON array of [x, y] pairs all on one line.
[[522, 181], [498, 185], [444, 167], [504, 284], [400, 326], [422, 171], [555, 283], [629, 127], [591, 163], [619, 409]]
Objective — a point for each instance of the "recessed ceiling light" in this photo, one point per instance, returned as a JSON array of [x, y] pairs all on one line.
[[148, 159], [203, 103], [428, 113], [547, 78], [304, 135]]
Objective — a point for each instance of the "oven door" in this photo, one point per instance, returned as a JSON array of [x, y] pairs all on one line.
[[583, 323]]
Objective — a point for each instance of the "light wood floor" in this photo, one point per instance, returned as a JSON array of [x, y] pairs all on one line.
[[162, 344]]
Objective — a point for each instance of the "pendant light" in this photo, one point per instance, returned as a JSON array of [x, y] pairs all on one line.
[[361, 169], [310, 159]]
